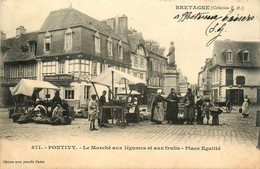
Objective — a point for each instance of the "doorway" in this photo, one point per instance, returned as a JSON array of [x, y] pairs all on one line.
[[236, 96]]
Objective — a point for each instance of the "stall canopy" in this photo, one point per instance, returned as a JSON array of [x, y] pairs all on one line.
[[106, 78], [129, 92], [27, 87]]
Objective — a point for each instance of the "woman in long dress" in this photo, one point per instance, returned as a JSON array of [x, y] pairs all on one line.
[[172, 107], [189, 113], [158, 108], [245, 107]]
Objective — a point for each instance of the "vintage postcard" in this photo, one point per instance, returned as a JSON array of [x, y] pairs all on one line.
[[129, 84]]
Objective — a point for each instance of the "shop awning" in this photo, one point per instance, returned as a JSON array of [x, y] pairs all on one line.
[[27, 87], [105, 78]]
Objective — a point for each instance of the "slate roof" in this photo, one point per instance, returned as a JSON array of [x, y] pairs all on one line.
[[15, 47], [134, 40], [69, 17], [152, 53], [237, 47]]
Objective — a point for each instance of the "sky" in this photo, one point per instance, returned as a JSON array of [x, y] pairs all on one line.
[[154, 18]]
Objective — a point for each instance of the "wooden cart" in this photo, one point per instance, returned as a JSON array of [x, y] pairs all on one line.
[[224, 104]]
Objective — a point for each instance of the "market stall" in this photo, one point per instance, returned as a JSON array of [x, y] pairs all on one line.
[[24, 93], [119, 108]]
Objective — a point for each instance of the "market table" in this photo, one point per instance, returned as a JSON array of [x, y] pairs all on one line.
[[120, 118]]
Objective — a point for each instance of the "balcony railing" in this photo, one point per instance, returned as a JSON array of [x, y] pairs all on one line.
[[14, 81]]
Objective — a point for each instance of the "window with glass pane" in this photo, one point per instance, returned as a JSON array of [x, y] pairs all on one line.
[[47, 43], [68, 41], [86, 92], [110, 48], [141, 76], [97, 44], [69, 94], [229, 56], [30, 70], [245, 56], [61, 67], [94, 68], [49, 68], [135, 74], [120, 52]]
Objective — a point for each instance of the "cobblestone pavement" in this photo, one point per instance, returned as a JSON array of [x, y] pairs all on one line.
[[173, 145], [233, 129]]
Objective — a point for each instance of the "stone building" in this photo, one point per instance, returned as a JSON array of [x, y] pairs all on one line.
[[19, 60], [235, 71], [138, 55], [204, 78], [72, 48], [69, 49]]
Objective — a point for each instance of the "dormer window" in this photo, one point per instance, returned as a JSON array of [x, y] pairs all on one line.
[[32, 46], [246, 56], [229, 56], [68, 40], [47, 42], [97, 42], [120, 50], [110, 46]]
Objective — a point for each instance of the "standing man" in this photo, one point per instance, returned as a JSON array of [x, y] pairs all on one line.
[[199, 104], [105, 113], [189, 113], [171, 56], [172, 107]]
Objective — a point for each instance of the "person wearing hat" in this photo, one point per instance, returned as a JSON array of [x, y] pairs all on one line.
[[93, 111], [189, 113], [172, 107], [206, 107], [199, 104], [157, 114], [106, 112]]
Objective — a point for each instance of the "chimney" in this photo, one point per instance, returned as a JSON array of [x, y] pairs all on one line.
[[119, 25], [3, 36], [161, 51], [155, 47], [21, 30], [122, 24], [147, 45]]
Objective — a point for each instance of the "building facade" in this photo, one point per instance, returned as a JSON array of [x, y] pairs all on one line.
[[235, 70], [70, 49], [204, 79], [138, 56]]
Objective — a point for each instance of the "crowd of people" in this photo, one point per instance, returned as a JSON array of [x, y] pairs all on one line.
[[193, 111], [199, 111]]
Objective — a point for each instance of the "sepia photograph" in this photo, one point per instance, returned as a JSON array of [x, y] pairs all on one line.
[[129, 84]]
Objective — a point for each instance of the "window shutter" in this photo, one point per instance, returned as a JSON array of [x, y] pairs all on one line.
[[240, 80]]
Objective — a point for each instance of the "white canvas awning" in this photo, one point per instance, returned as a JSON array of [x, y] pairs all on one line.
[[105, 78], [27, 87], [133, 92]]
